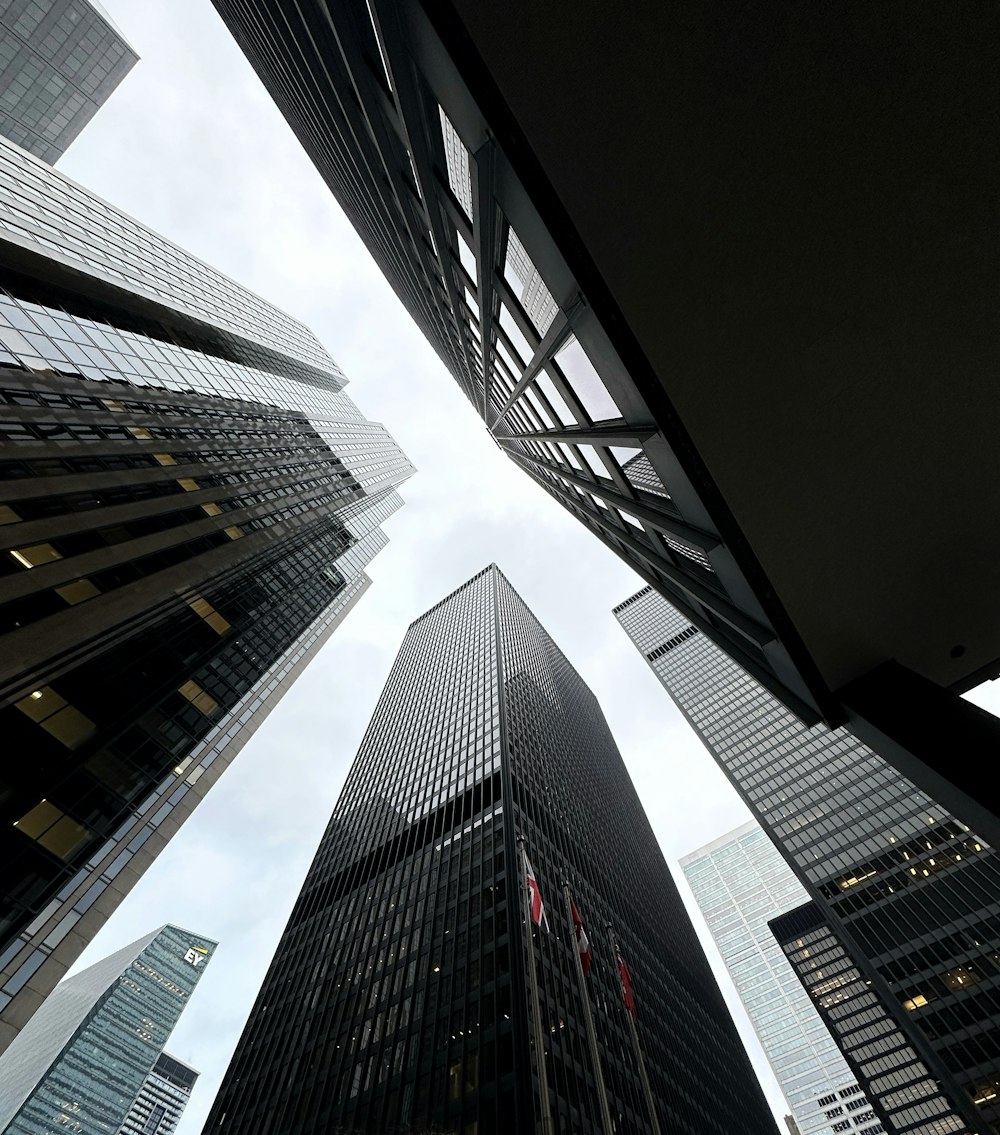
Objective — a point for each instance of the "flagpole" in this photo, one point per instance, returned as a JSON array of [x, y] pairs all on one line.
[[588, 1017], [647, 1090], [543, 1079]]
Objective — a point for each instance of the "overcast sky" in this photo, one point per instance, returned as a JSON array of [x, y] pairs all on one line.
[[192, 146]]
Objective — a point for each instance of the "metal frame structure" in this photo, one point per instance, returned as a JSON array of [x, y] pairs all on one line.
[[418, 169]]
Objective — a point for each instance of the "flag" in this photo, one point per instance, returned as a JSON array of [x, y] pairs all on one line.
[[626, 978], [538, 916], [582, 942]]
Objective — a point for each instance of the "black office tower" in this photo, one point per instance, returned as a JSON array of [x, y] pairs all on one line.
[[188, 501], [910, 895], [398, 998]]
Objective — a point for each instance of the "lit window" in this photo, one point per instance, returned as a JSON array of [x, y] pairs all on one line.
[[165, 458], [915, 1002], [140, 432], [199, 698], [50, 827], [78, 591], [8, 515], [211, 509], [234, 532], [205, 609], [53, 713], [188, 484], [115, 406], [35, 554]]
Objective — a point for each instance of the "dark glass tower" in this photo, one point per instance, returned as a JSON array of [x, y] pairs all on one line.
[[59, 63], [907, 889], [397, 998], [189, 501]]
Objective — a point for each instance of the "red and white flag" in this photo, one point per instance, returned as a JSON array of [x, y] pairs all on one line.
[[582, 942], [538, 916], [626, 985]]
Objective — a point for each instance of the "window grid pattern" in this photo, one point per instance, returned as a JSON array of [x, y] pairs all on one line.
[[82, 1060], [912, 887], [59, 62], [162, 1098], [740, 882], [396, 997], [906, 1094], [184, 506]]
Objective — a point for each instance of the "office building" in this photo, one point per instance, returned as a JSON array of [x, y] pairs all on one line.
[[190, 500], [740, 882], [60, 60], [911, 892], [84, 1057], [397, 999], [162, 1098], [746, 287]]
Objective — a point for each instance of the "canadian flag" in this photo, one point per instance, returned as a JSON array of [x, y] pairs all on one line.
[[582, 942], [626, 985], [538, 916]]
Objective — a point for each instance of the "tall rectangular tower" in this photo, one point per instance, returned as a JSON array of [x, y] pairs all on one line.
[[162, 1098], [82, 1060], [188, 501], [740, 882], [398, 997], [912, 893], [59, 63]]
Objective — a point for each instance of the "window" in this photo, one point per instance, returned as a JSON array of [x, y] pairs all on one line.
[[54, 714], [78, 591], [50, 827], [199, 698], [35, 554]]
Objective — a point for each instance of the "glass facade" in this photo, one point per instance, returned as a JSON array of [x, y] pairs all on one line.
[[162, 1098], [83, 1059], [910, 890], [740, 882], [188, 502], [397, 1000], [60, 60]]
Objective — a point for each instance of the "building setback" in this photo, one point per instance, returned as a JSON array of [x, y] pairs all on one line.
[[397, 998], [475, 151], [910, 892], [84, 1057], [59, 63], [189, 502], [740, 882], [162, 1098]]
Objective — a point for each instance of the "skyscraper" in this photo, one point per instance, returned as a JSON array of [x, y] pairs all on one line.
[[189, 503], [910, 892], [690, 253], [82, 1060], [162, 1098], [398, 995], [60, 60], [740, 882]]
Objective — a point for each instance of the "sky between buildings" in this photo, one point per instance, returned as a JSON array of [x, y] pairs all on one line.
[[192, 146]]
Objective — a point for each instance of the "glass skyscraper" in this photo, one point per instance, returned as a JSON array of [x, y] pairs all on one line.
[[189, 502], [85, 1055], [398, 997], [162, 1098], [60, 60], [911, 893], [740, 882]]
